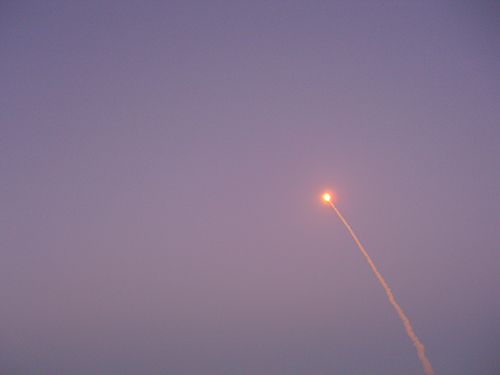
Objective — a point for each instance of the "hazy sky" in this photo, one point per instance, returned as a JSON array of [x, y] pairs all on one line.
[[162, 164]]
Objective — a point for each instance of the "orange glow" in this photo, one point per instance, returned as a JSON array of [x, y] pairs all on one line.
[[329, 197]]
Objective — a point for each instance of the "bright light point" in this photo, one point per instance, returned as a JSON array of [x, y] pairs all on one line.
[[328, 196]]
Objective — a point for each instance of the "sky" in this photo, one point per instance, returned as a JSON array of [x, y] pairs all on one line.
[[162, 165]]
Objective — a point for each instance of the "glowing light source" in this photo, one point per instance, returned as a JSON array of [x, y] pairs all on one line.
[[326, 197]]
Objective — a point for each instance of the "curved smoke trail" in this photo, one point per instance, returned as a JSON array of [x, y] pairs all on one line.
[[420, 347]]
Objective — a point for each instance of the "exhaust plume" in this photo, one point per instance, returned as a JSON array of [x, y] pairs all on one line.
[[420, 347]]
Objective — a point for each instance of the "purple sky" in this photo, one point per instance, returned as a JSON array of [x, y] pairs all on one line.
[[162, 164]]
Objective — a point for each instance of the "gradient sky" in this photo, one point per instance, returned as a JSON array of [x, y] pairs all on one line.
[[162, 164]]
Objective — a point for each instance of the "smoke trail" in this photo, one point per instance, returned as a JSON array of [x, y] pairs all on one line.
[[420, 348]]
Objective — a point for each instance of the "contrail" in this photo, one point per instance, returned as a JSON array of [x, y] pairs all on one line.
[[420, 347]]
